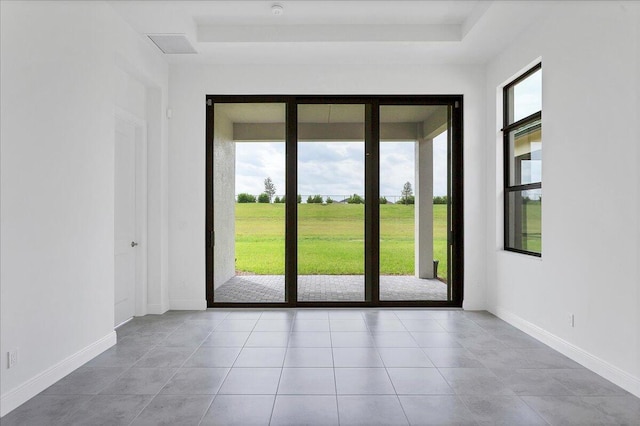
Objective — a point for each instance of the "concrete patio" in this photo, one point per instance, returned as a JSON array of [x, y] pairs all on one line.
[[326, 288]]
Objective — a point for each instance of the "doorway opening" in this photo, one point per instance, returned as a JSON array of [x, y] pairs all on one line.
[[334, 201]]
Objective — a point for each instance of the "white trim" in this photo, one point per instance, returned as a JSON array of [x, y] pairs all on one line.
[[607, 370], [188, 304], [140, 127], [27, 390], [123, 323], [473, 306], [157, 309]]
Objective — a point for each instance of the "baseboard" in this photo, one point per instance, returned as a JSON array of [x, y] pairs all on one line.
[[188, 304], [157, 309], [607, 370], [470, 306], [22, 393]]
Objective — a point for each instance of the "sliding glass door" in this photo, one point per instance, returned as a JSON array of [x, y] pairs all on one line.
[[414, 202], [334, 201], [249, 195], [330, 201]]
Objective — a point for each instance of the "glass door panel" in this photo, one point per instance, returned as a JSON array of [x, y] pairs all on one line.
[[336, 200], [331, 156], [414, 207], [249, 196]]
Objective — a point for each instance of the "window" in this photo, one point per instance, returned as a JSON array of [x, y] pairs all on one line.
[[523, 163]]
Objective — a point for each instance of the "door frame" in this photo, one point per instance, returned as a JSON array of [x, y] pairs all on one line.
[[372, 105], [140, 129]]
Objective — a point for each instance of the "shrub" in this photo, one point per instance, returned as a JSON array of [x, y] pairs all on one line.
[[263, 198], [355, 199], [299, 198], [246, 198], [329, 200], [440, 199], [314, 199], [276, 200], [383, 200], [283, 199], [410, 199]]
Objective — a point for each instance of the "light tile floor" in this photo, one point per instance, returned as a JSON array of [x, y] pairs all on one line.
[[327, 288], [328, 367]]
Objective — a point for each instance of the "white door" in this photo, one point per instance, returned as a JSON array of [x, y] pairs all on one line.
[[125, 221]]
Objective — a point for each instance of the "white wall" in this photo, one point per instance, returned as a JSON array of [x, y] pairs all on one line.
[[190, 83], [131, 94], [224, 188], [59, 74], [591, 190]]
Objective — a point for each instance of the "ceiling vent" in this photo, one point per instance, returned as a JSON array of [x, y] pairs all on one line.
[[172, 43]]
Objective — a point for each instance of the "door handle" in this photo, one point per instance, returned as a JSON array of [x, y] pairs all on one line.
[[133, 244]]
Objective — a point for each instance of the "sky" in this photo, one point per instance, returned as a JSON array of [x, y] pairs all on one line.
[[334, 169], [527, 96]]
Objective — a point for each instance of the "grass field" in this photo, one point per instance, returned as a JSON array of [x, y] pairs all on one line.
[[331, 239], [532, 241]]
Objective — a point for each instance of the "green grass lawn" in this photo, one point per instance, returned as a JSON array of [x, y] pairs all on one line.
[[532, 241], [331, 239]]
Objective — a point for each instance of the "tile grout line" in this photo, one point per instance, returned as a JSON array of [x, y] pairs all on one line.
[[206, 410], [171, 377], [389, 376], [286, 349], [386, 370], [430, 360], [536, 411], [335, 380], [119, 375], [185, 361], [228, 372]]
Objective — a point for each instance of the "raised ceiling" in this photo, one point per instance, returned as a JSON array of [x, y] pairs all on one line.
[[347, 32]]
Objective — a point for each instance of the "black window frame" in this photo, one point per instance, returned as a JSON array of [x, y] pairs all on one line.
[[455, 221], [507, 130]]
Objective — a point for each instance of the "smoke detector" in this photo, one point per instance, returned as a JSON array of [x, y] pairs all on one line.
[[172, 43], [277, 10]]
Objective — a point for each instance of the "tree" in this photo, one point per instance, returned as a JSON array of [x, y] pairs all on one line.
[[276, 200], [355, 199], [314, 199], [408, 200], [383, 200], [246, 198], [263, 198], [269, 188], [299, 199], [407, 192]]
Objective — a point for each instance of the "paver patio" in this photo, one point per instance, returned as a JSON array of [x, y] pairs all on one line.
[[331, 288]]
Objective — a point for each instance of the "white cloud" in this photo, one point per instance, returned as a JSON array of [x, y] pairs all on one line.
[[255, 161], [334, 168], [331, 168]]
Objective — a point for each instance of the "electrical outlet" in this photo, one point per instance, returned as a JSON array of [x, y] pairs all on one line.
[[12, 358], [571, 320]]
